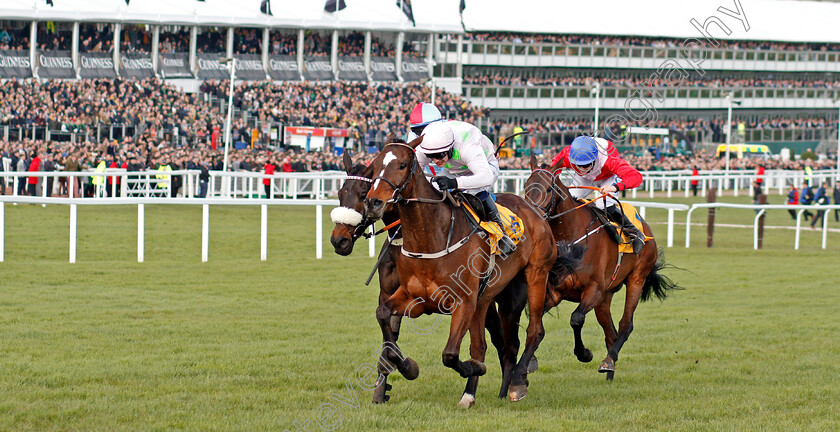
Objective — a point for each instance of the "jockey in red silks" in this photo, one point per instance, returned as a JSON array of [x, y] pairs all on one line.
[[595, 162]]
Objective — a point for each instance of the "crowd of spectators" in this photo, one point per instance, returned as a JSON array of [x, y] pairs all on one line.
[[95, 38], [639, 41], [14, 39], [588, 78], [51, 37]]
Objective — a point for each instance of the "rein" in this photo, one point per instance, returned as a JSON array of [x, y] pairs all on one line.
[[397, 198]]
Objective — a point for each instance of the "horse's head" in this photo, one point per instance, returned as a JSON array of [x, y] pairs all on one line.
[[394, 171], [349, 217], [543, 190]]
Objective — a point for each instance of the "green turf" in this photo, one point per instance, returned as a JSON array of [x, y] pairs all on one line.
[[239, 344]]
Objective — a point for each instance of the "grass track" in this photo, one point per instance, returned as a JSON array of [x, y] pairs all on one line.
[[240, 344]]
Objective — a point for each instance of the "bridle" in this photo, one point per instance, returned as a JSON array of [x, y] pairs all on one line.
[[396, 196]]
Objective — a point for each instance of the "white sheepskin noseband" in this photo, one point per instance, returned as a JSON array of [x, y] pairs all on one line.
[[346, 215]]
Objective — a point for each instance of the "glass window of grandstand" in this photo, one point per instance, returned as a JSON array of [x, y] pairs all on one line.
[[492, 48], [317, 43], [55, 36], [174, 39], [477, 48], [585, 51], [533, 50], [211, 40], [546, 50], [415, 45], [247, 41], [14, 35], [504, 92], [545, 93], [490, 92], [282, 42], [518, 92], [475, 92], [750, 55], [519, 49], [99, 37], [506, 49], [532, 92], [598, 51]]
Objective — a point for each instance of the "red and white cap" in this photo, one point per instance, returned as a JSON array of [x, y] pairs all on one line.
[[423, 114]]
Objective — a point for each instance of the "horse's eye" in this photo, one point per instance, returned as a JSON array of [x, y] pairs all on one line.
[[403, 165]]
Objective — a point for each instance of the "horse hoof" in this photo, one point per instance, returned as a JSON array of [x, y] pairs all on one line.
[[585, 356], [478, 368], [517, 393], [380, 393], [533, 365], [608, 365], [467, 401], [410, 370]]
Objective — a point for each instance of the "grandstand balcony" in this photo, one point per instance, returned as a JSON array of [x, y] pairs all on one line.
[[618, 98], [517, 54]]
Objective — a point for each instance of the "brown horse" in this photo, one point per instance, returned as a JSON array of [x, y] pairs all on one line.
[[599, 276], [350, 223], [438, 245]]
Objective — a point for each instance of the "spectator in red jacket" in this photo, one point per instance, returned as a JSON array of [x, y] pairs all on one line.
[[595, 162], [34, 166], [269, 168]]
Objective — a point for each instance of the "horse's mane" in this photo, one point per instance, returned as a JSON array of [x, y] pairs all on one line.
[[357, 169]]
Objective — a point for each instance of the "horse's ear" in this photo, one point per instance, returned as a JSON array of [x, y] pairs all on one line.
[[534, 163], [348, 162], [416, 142], [557, 165], [391, 138]]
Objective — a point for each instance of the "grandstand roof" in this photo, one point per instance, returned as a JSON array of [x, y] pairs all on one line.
[[774, 20], [432, 15]]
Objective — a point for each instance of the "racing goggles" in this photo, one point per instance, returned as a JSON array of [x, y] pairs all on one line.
[[438, 155]]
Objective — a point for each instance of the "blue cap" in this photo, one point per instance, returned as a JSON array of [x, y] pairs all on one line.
[[584, 151]]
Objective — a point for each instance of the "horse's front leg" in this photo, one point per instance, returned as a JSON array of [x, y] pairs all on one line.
[[478, 350], [537, 279], [590, 298], [391, 354]]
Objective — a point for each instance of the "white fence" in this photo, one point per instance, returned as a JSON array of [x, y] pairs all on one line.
[[205, 220], [760, 210], [320, 185]]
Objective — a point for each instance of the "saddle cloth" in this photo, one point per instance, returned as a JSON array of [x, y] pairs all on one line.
[[512, 226], [626, 244]]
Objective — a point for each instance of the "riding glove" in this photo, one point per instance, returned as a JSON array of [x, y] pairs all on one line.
[[445, 182]]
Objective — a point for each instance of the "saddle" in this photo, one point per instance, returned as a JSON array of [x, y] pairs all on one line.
[[624, 241], [476, 215]]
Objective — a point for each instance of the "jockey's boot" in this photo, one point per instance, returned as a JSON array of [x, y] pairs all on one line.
[[636, 236], [506, 245]]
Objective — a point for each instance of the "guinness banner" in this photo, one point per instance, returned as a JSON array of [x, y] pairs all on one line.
[[209, 67], [136, 65], [55, 64], [249, 67], [317, 68], [414, 69], [283, 68], [383, 69], [97, 65], [175, 65], [15, 64], [352, 68]]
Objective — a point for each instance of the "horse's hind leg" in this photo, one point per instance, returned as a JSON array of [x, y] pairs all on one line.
[[589, 299], [478, 350], [537, 280]]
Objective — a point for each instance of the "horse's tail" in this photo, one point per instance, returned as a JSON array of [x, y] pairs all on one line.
[[569, 257], [657, 283]]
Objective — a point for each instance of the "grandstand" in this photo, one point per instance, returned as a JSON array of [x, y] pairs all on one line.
[[545, 70]]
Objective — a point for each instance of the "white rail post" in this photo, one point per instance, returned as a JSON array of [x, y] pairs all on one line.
[[825, 228], [755, 228], [372, 242], [798, 226], [141, 231], [263, 232], [319, 235], [688, 227], [670, 187], [642, 211], [72, 233], [670, 227], [205, 231], [2, 231]]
